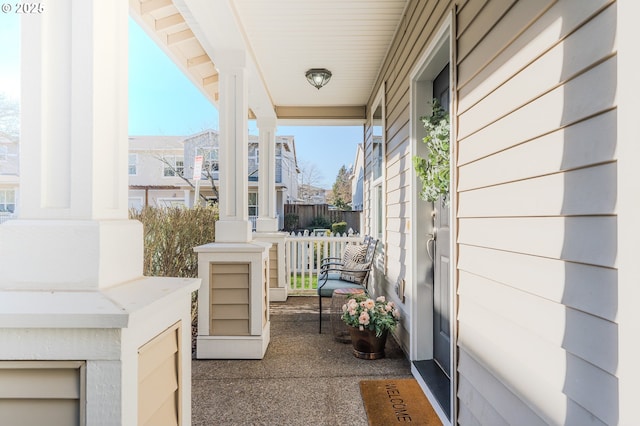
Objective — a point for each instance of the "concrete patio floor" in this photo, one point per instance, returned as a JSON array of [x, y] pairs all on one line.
[[305, 378]]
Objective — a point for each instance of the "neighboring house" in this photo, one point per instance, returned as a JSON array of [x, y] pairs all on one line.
[[309, 194], [9, 178], [154, 162], [206, 144]]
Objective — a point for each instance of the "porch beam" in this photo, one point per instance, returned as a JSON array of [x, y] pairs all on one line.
[[357, 112]]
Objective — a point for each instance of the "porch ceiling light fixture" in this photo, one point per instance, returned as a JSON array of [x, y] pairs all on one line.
[[318, 77]]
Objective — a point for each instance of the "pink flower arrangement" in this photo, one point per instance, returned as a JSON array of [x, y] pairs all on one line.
[[365, 313]]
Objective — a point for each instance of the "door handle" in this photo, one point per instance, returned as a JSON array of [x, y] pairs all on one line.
[[432, 239]]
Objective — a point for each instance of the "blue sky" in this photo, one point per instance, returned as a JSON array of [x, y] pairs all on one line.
[[162, 101]]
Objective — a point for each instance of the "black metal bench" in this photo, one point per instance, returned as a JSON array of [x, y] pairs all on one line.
[[341, 273]]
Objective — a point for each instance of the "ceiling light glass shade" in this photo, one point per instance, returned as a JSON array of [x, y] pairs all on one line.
[[318, 77]]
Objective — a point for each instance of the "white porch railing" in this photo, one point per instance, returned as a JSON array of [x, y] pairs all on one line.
[[5, 217], [303, 253]]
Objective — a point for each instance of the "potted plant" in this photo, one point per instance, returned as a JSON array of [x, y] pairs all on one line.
[[369, 323]]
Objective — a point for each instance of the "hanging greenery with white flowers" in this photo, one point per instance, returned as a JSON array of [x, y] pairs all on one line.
[[433, 171]]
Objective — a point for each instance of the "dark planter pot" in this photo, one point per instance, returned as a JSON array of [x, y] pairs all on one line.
[[366, 345]]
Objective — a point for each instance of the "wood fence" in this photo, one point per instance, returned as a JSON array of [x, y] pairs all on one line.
[[308, 212]]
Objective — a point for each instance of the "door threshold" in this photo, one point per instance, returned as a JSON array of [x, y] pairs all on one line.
[[437, 382]]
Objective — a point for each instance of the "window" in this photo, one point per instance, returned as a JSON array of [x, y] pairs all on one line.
[[279, 163], [173, 165], [254, 158], [4, 153], [253, 204], [377, 191], [211, 162], [7, 200], [133, 164], [378, 212]]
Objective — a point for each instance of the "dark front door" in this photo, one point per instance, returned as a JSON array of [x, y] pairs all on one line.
[[442, 236]]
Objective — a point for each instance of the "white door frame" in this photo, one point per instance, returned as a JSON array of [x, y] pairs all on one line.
[[439, 52]]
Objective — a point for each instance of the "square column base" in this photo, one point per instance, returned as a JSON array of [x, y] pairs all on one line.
[[105, 333], [233, 231], [266, 224], [278, 280], [234, 347], [233, 301], [278, 294], [69, 254]]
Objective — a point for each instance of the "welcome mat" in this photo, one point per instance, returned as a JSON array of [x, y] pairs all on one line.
[[396, 401]]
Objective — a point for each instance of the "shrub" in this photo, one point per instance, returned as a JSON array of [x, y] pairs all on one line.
[[320, 222], [291, 221], [339, 227], [170, 236]]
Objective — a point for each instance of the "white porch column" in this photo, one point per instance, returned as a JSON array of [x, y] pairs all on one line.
[[267, 221], [234, 225], [233, 301], [71, 284], [73, 152]]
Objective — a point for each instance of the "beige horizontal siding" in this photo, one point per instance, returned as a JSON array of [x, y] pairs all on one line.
[[159, 379], [587, 288], [467, 12], [537, 226], [592, 44], [543, 375], [485, 19], [590, 240], [592, 338], [584, 96], [479, 74], [587, 191], [476, 410], [480, 388], [582, 144], [41, 392]]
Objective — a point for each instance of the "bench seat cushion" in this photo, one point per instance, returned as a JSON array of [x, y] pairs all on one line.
[[333, 284]]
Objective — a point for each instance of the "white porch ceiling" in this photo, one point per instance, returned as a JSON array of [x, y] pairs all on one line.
[[283, 38]]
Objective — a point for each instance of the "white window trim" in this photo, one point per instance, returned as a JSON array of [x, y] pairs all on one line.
[[135, 163], [174, 161], [381, 180]]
